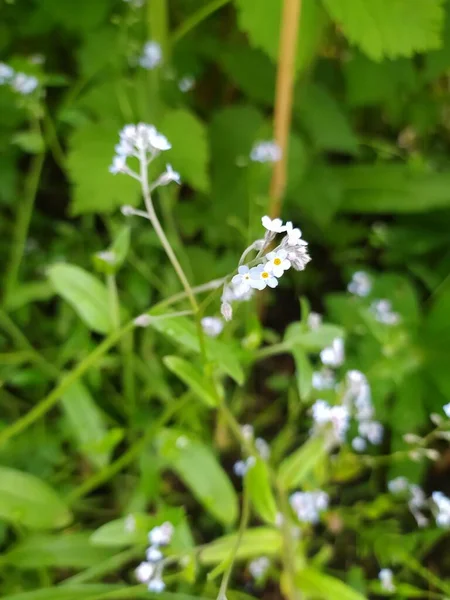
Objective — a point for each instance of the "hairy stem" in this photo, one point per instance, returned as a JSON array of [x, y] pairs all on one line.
[[283, 99]]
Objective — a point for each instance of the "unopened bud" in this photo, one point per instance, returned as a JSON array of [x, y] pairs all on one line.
[[127, 210], [432, 454], [227, 311], [143, 320], [412, 438], [436, 419], [416, 456]]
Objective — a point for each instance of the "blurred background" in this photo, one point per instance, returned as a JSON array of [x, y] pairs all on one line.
[[367, 181]]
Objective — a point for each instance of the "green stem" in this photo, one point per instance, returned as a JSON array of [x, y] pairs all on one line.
[[24, 213], [288, 546], [195, 19], [113, 298], [113, 564]]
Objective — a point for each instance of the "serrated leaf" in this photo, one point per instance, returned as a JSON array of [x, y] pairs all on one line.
[[297, 467], [199, 469], [325, 587], [257, 480], [86, 422], [259, 541], [66, 550], [29, 501], [262, 20], [190, 151], [389, 28], [85, 293], [196, 381], [96, 190]]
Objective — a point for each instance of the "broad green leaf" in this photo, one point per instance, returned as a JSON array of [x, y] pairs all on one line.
[[118, 533], [29, 141], [75, 17], [29, 501], [303, 373], [251, 71], [190, 152], [117, 251], [395, 188], [260, 491], [389, 28], [195, 380], [198, 468], [325, 587], [89, 591], [259, 541], [183, 332], [311, 340], [297, 467], [68, 550], [85, 293], [96, 190], [325, 121], [86, 422], [262, 22]]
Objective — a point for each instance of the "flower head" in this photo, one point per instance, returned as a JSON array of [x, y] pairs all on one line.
[[161, 535], [443, 505], [151, 55], [24, 84], [6, 73], [446, 408], [212, 326], [186, 83], [333, 355], [258, 567], [242, 279], [386, 578], [294, 236], [169, 175], [308, 505], [299, 257], [360, 284], [277, 263], [275, 225], [382, 309], [144, 572], [264, 152], [260, 278]]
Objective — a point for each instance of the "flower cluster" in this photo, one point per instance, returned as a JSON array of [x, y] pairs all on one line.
[[333, 355], [20, 82], [269, 267], [258, 567], [417, 500], [151, 56], [386, 578], [442, 503], [384, 313], [308, 505], [358, 399], [186, 83], [333, 420], [212, 326], [266, 152], [360, 284], [150, 571]]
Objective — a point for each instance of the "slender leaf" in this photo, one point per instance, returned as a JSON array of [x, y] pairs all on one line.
[[191, 376], [295, 469]]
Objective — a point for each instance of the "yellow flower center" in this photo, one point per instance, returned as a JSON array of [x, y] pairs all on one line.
[[277, 261], [264, 274]]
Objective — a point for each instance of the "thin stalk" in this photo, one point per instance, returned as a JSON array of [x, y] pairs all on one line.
[[196, 18], [113, 564], [288, 546], [113, 298], [283, 99], [25, 210]]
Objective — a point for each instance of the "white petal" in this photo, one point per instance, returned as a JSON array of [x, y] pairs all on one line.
[[242, 270], [272, 282], [257, 284], [282, 253], [271, 255], [286, 264], [278, 271], [237, 280]]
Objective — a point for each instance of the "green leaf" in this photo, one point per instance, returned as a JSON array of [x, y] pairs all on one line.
[[190, 152], [297, 467], [87, 423], [96, 190], [90, 591], [85, 293], [117, 534], [67, 550], [198, 468], [28, 501], [29, 141], [395, 188], [259, 541], [252, 72], [195, 380], [303, 373], [262, 21], [325, 121], [118, 251], [257, 481], [389, 28], [325, 587], [312, 340], [184, 333]]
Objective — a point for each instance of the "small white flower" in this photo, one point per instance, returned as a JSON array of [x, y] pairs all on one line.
[[294, 235], [371, 430], [386, 578], [153, 554], [240, 468], [247, 432], [24, 84], [226, 311], [186, 83], [261, 278], [144, 572], [275, 225], [443, 506], [151, 56], [359, 444], [314, 320], [277, 263], [156, 585], [119, 165], [398, 485], [212, 326], [446, 408], [6, 73], [299, 257], [264, 152], [263, 448], [161, 535], [325, 415], [382, 309], [308, 505], [323, 380], [258, 567], [333, 356], [360, 284], [130, 524], [242, 279], [143, 320], [168, 176]]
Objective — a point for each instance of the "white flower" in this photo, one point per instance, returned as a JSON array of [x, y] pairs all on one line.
[[258, 567], [242, 279], [277, 263], [156, 585], [372, 431], [143, 320], [151, 56], [275, 225], [443, 505], [226, 311], [169, 175], [263, 448], [119, 165], [323, 380], [212, 326], [240, 468], [264, 152], [294, 235], [359, 444], [144, 572], [386, 578], [299, 257], [130, 524], [153, 554], [186, 83], [398, 485], [325, 415], [360, 284], [247, 432], [314, 320], [24, 84], [261, 278], [6, 73], [161, 535], [446, 408], [333, 356], [308, 505], [382, 309], [159, 142]]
